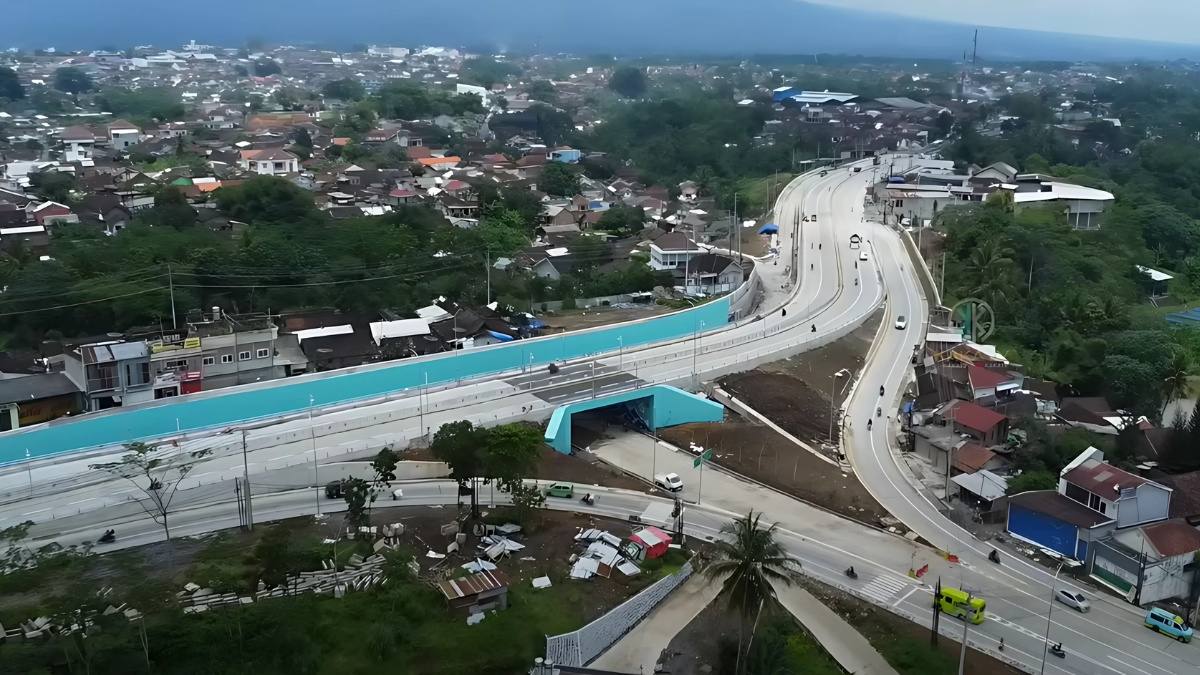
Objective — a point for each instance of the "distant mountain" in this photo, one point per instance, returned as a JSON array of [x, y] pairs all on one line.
[[621, 27]]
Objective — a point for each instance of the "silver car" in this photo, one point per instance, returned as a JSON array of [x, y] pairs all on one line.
[[1072, 599]]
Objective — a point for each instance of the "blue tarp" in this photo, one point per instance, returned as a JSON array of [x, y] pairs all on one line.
[[1189, 317], [769, 228], [500, 336]]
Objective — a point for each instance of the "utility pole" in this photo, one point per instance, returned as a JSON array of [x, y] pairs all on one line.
[[246, 480], [488, 271], [171, 285], [937, 614], [962, 647]]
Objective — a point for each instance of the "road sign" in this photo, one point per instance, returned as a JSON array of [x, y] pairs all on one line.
[[704, 457]]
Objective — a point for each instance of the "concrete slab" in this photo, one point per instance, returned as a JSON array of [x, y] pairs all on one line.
[[639, 650]]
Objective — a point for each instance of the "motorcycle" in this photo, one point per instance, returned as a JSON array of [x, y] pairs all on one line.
[[1058, 650], [878, 412], [588, 499], [851, 573], [814, 328], [108, 537], [868, 425], [994, 557], [881, 390]]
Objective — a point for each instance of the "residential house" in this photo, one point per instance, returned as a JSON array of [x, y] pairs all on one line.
[[234, 349], [711, 274], [28, 238], [110, 374], [998, 172], [48, 214], [983, 424], [270, 162], [1150, 563], [122, 135], [79, 143], [565, 155], [1092, 413], [29, 399], [106, 211], [992, 385], [673, 250], [1092, 501], [1084, 206]]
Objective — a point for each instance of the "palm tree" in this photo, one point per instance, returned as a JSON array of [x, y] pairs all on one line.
[[990, 265], [749, 558], [1176, 384]]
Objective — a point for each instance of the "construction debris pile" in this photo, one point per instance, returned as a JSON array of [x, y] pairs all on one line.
[[44, 625], [358, 574], [601, 555]]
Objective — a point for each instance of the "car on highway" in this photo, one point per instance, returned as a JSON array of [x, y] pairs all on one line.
[[1072, 599], [901, 322], [397, 494], [857, 169], [334, 489], [1168, 623], [560, 490], [669, 481]]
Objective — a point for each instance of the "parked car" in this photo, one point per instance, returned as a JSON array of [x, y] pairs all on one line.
[[669, 481], [1168, 623], [1072, 599], [560, 490]]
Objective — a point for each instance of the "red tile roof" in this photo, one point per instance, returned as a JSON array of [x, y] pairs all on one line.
[[972, 457], [984, 378], [1102, 478], [1173, 537], [977, 417]]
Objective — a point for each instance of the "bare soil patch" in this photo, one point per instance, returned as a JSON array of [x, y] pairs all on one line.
[[578, 319], [764, 455]]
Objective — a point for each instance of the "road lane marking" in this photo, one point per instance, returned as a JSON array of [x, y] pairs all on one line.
[[38, 511], [1128, 665], [904, 597], [80, 501]]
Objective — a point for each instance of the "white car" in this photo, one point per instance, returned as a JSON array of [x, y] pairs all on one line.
[[901, 322], [862, 255], [669, 481], [397, 494], [1072, 599]]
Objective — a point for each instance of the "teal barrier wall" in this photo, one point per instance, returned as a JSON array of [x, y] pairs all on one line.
[[243, 404], [668, 406]]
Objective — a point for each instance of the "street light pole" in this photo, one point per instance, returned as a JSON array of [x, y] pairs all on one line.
[[621, 353], [246, 480], [29, 471], [1050, 611], [832, 389], [312, 433]]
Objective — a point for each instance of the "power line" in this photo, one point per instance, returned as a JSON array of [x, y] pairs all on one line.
[[87, 302]]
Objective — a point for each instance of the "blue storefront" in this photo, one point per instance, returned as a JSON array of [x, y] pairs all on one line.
[[1049, 520]]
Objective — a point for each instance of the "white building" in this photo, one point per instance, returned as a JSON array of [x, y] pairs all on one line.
[[271, 162], [1084, 206]]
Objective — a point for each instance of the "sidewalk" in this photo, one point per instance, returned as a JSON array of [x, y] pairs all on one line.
[[844, 643], [639, 650]]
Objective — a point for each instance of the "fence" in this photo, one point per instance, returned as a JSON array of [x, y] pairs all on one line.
[[581, 647]]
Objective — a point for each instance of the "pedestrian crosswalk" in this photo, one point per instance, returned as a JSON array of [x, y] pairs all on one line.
[[883, 589]]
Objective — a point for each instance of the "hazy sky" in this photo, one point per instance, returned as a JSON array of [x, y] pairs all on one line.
[[1158, 20]]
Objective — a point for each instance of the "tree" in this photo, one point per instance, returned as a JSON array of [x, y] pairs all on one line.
[[628, 81], [344, 89], [459, 445], [10, 86], [1032, 480], [267, 67], [559, 180], [275, 557], [622, 220], [1176, 384], [73, 81], [55, 186], [359, 497], [749, 559], [542, 90], [384, 466], [477, 456], [156, 476], [171, 208]]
